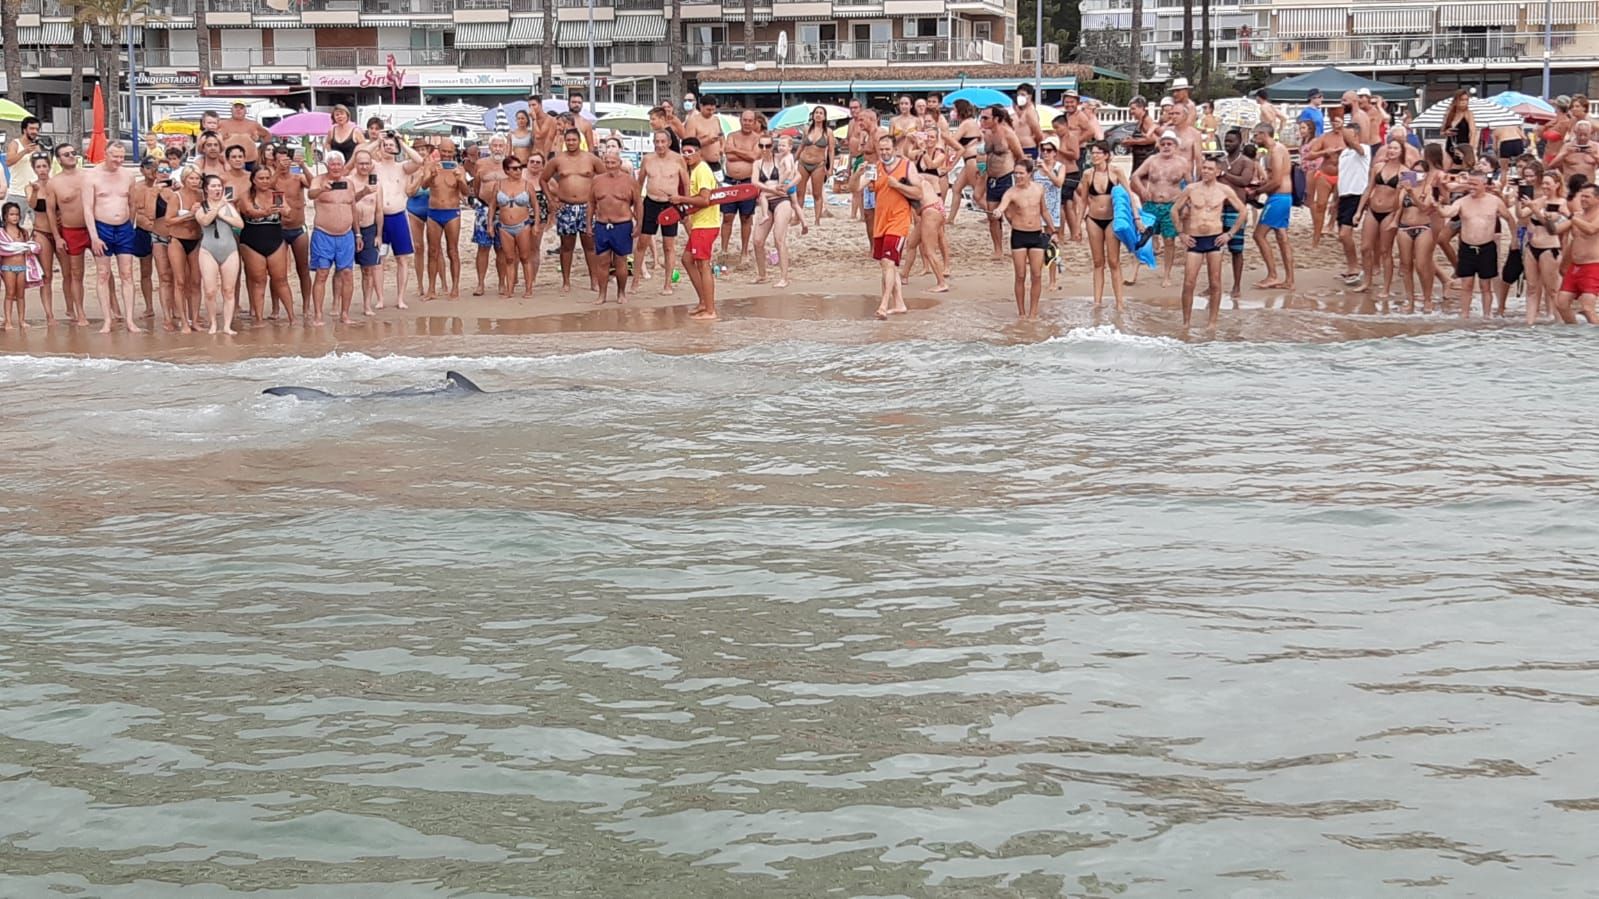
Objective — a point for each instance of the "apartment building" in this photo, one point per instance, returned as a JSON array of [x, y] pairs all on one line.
[[1162, 40], [317, 52], [1437, 47]]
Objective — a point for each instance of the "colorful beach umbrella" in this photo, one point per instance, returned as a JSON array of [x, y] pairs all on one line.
[[1525, 105], [303, 124], [97, 140], [1484, 113], [798, 115]]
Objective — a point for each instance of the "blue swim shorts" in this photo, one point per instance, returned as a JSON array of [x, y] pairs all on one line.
[[397, 234], [335, 251], [118, 239], [613, 237], [1278, 208]]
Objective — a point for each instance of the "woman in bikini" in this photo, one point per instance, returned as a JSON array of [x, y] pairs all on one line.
[[185, 232], [1415, 238], [522, 136], [151, 215], [513, 207], [816, 160], [219, 254], [266, 256], [1543, 215], [779, 176], [967, 139], [1093, 197], [1051, 174], [1381, 201], [1319, 158], [931, 160], [44, 233]]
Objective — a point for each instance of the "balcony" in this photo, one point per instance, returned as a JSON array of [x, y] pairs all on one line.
[[329, 12], [700, 10], [1446, 50], [907, 51], [328, 58], [644, 5], [578, 10], [402, 8]]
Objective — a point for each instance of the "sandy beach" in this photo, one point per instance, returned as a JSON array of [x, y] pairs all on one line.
[[832, 294]]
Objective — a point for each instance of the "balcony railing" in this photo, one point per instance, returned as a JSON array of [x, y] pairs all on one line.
[[567, 4], [1414, 50], [651, 5], [407, 7], [330, 58], [622, 53], [906, 50], [229, 5], [345, 6]]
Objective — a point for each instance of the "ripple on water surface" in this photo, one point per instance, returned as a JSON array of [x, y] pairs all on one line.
[[1104, 615]]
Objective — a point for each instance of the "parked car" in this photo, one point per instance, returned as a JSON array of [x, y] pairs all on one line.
[[1118, 134]]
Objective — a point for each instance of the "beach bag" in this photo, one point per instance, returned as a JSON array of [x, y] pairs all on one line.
[[1127, 230], [1299, 185]]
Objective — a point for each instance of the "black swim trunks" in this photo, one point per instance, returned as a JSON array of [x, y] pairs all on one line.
[[1206, 243], [1028, 240], [998, 186], [1478, 260]]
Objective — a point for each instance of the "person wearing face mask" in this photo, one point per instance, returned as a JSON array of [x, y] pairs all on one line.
[[1028, 130]]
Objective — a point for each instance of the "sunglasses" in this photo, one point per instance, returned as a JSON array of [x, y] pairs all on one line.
[[513, 168], [766, 146]]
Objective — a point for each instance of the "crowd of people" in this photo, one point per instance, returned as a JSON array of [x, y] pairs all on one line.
[[227, 232]]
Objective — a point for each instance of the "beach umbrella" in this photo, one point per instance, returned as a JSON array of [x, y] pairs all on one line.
[[1046, 116], [1525, 105], [303, 124], [464, 116], [97, 141], [173, 126], [729, 122], [558, 105], [11, 112], [799, 115], [979, 97], [1486, 115], [1238, 112], [502, 122], [508, 110], [223, 109], [624, 121]]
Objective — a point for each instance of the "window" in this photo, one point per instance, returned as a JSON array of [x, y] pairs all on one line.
[[927, 27], [983, 31], [818, 33]]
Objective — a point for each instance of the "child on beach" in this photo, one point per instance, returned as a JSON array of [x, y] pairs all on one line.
[[16, 245]]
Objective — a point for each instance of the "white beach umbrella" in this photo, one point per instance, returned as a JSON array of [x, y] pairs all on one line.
[[1484, 113]]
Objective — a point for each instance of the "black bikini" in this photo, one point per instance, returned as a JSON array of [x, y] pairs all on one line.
[[346, 147], [1102, 223]]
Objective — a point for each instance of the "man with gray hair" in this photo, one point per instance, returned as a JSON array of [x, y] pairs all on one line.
[[333, 238]]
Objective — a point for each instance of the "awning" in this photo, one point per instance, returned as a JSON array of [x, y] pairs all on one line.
[[1314, 22], [640, 28], [1477, 15], [1566, 12], [862, 85], [1415, 20], [526, 32], [481, 35], [576, 34]]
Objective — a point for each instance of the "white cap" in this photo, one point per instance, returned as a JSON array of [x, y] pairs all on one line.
[[1165, 101], [1169, 135], [1179, 84], [1363, 92]]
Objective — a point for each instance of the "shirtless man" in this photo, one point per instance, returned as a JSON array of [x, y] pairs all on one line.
[[1029, 132], [855, 146], [741, 152], [661, 175], [1158, 183], [1369, 118], [446, 182], [869, 133], [292, 181], [1004, 148], [239, 131], [707, 128], [1200, 208], [1068, 154], [1478, 254], [1241, 175], [1579, 155], [486, 174], [1024, 207], [574, 108], [64, 196], [1186, 110], [1084, 124], [1269, 113], [108, 216], [396, 166], [616, 212], [1581, 283], [1190, 142], [546, 133], [572, 172], [369, 230], [334, 196], [1279, 190]]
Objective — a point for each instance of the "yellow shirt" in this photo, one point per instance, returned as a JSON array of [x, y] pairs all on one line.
[[702, 178]]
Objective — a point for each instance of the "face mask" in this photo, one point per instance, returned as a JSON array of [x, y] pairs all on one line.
[[688, 105], [1021, 99]]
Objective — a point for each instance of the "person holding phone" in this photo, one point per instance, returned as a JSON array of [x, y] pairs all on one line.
[[219, 254], [447, 186], [1374, 215], [368, 234], [181, 201], [266, 257], [1544, 213], [236, 180], [398, 169], [108, 215], [44, 233], [292, 181], [333, 240], [142, 196], [1414, 236]]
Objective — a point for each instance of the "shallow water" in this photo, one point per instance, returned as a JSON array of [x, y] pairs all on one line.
[[1097, 616]]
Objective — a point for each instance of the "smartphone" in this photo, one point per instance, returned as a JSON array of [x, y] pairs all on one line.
[[277, 198], [294, 170], [1411, 178], [447, 164], [227, 193], [372, 178], [338, 185]]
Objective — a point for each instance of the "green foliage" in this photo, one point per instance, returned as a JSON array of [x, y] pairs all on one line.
[[1062, 22], [1115, 93]]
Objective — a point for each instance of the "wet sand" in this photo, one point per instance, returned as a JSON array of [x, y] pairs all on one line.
[[831, 298]]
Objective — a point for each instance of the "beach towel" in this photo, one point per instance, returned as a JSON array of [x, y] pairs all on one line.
[[1121, 204], [35, 273]]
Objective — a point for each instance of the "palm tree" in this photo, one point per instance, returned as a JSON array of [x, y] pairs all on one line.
[[674, 51], [202, 42], [546, 80], [9, 11], [1204, 52], [749, 31], [108, 22], [75, 101], [1136, 67]]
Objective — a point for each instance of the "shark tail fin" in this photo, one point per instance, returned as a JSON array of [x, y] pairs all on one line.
[[462, 382]]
